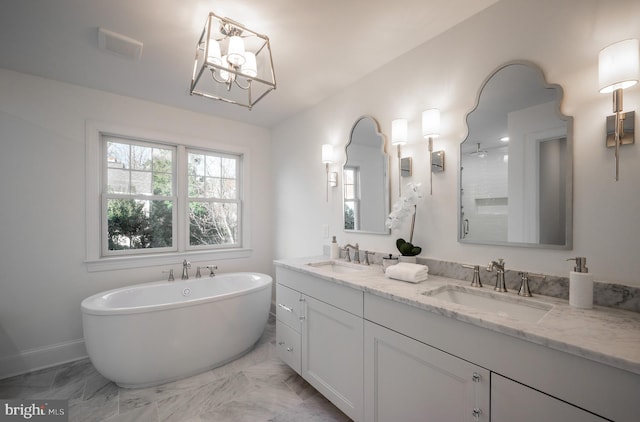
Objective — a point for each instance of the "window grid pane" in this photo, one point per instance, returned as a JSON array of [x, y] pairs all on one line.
[[139, 224], [138, 169], [213, 223], [213, 176]]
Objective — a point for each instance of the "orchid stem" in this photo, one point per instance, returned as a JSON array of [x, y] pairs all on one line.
[[413, 223]]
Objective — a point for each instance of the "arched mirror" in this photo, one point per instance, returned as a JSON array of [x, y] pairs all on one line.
[[366, 179], [516, 163]]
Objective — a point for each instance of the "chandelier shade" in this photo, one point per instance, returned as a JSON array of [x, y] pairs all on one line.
[[232, 63]]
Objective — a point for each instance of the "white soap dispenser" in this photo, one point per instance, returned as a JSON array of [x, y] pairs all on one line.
[[580, 285], [335, 249]]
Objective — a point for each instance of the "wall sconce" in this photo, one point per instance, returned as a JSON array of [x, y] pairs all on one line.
[[399, 137], [430, 130], [327, 158], [618, 69]]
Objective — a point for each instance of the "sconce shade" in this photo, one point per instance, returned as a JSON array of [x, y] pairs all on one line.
[[213, 52], [250, 67], [619, 66], [327, 153], [232, 64], [399, 132], [235, 55], [431, 123]]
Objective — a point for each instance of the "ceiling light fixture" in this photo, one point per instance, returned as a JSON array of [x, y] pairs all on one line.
[[233, 63]]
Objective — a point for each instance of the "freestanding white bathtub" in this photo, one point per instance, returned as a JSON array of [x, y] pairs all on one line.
[[152, 333]]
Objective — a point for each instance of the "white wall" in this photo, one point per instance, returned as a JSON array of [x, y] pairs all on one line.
[[563, 38], [43, 277]]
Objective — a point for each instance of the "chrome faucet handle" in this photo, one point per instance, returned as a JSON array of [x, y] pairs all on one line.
[[170, 272], [366, 257], [211, 268], [499, 265], [476, 275], [356, 256], [524, 283], [198, 275]]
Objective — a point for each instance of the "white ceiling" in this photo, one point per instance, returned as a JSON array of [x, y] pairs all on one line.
[[319, 47]]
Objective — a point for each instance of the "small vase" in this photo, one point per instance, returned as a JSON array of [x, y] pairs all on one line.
[[410, 259]]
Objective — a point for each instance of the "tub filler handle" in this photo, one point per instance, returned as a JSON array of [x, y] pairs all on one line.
[[170, 274], [211, 269]]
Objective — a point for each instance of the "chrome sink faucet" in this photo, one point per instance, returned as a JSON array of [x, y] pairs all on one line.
[[356, 252], [185, 267], [499, 266]]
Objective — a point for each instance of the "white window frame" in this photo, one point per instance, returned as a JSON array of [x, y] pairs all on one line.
[[185, 199], [96, 260], [106, 196]]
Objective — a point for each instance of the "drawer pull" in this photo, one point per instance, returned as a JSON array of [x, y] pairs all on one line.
[[286, 308], [289, 349], [476, 414]]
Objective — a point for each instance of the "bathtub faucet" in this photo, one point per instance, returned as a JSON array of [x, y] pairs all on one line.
[[211, 269], [185, 269]]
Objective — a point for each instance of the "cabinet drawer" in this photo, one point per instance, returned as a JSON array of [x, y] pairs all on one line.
[[288, 345], [346, 298], [512, 401], [288, 306]]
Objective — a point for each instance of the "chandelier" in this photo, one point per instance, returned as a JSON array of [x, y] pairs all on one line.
[[233, 63]]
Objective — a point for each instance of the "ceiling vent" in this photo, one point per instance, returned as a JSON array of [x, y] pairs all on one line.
[[119, 44]]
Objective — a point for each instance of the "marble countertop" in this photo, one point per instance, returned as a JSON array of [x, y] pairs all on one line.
[[605, 335]]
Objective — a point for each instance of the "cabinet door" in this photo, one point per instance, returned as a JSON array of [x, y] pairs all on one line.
[[406, 380], [512, 401], [332, 348]]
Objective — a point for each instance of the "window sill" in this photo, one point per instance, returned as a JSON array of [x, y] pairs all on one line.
[[128, 262]]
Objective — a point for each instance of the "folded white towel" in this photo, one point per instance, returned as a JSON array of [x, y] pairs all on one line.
[[405, 271]]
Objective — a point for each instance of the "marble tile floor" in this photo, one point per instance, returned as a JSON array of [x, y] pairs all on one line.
[[257, 387]]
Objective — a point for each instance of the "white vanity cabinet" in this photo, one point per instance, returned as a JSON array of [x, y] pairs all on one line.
[[319, 327], [512, 401], [529, 382], [379, 358], [406, 380]]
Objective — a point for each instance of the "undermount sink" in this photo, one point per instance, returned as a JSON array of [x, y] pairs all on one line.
[[501, 304], [338, 267]]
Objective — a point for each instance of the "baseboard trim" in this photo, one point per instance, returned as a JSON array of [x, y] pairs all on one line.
[[42, 358]]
